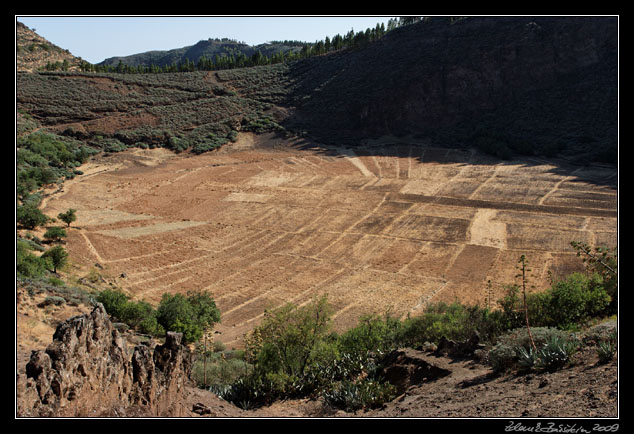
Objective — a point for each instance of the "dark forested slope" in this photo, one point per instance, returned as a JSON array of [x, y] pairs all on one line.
[[542, 85]]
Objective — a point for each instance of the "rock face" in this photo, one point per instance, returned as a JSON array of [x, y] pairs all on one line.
[[87, 371]]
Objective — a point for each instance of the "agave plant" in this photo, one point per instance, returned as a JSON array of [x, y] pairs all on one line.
[[607, 348], [526, 358], [556, 353]]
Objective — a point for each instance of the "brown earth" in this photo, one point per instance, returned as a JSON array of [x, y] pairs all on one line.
[[266, 221]]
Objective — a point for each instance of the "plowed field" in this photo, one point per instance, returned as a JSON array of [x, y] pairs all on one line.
[[263, 221]]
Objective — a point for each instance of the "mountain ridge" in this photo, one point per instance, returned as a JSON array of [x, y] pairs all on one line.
[[208, 48]]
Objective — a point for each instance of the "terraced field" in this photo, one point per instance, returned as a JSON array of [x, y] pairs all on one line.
[[264, 221]]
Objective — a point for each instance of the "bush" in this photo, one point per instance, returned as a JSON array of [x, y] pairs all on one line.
[[113, 301], [287, 338], [220, 371], [134, 314], [27, 264], [55, 233], [188, 315], [53, 299], [373, 334], [577, 299], [453, 321], [567, 305]]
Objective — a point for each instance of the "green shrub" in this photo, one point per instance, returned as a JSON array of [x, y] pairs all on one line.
[[577, 299], [113, 301], [27, 264], [502, 357], [287, 338], [188, 315], [55, 281], [567, 305], [600, 332], [53, 299], [134, 314], [372, 334], [220, 372], [453, 321], [55, 233], [218, 347], [177, 144]]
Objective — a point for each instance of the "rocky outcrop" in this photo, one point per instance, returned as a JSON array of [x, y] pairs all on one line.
[[408, 367], [460, 349], [87, 371]]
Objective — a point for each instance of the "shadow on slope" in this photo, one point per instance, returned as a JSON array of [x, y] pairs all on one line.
[[505, 85]]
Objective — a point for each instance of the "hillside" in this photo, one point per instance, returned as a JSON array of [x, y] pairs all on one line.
[[400, 180], [34, 52], [543, 85], [209, 49]]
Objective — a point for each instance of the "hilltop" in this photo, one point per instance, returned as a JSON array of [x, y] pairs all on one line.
[[35, 52]]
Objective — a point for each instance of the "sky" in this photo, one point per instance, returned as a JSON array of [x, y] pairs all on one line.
[[96, 38]]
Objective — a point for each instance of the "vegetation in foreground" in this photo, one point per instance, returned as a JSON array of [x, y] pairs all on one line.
[[294, 353]]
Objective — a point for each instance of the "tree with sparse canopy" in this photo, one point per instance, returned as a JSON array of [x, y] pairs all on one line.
[[58, 257], [68, 217]]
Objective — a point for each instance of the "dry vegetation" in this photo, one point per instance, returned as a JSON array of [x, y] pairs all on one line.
[[263, 222]]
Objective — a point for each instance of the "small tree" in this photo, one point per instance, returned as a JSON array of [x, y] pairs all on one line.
[[286, 339], [189, 315], [68, 217], [30, 216], [57, 256]]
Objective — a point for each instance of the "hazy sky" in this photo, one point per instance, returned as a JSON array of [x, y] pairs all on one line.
[[95, 38]]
